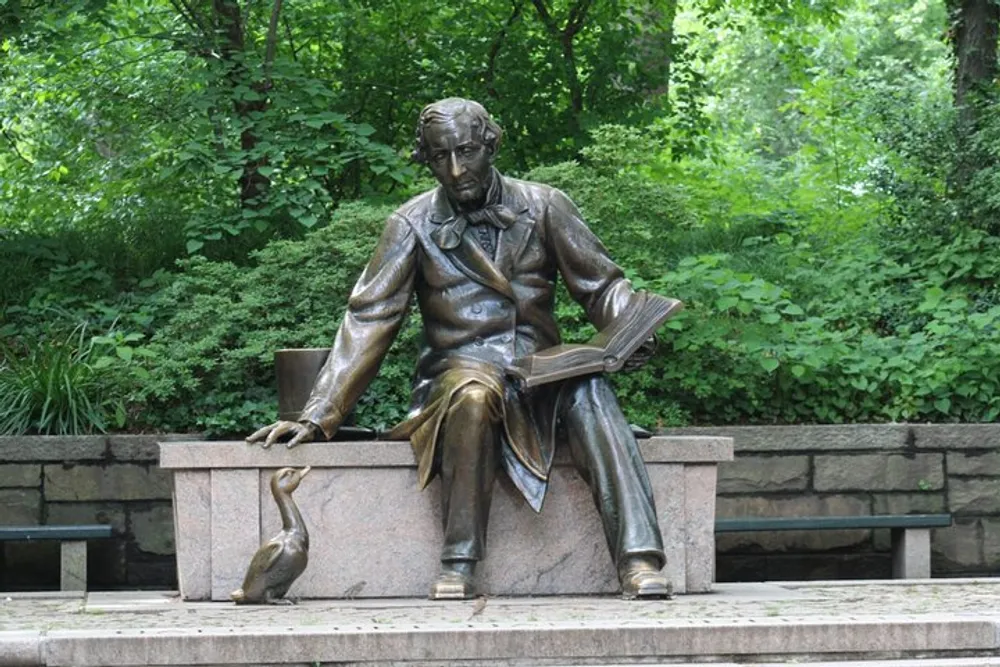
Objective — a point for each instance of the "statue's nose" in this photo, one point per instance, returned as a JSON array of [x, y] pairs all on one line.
[[455, 166]]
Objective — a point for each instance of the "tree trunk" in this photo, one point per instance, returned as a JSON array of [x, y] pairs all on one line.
[[975, 45], [229, 24]]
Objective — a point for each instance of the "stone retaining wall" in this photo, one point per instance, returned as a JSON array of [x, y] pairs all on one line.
[[82, 480], [782, 470], [858, 469]]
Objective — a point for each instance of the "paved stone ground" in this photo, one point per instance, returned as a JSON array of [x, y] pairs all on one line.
[[729, 603], [935, 616]]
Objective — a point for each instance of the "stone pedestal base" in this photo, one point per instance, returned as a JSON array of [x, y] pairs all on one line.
[[373, 534]]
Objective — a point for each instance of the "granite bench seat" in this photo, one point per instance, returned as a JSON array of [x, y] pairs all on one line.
[[374, 534], [72, 548]]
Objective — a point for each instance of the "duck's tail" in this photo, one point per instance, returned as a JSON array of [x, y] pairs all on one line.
[[238, 596]]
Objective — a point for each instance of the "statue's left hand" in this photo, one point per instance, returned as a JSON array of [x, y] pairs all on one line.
[[641, 356], [300, 432]]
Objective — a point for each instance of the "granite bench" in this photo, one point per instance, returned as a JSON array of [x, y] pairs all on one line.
[[911, 534], [72, 548], [374, 534]]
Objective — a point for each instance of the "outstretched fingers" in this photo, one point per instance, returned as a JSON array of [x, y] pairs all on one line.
[[259, 434]]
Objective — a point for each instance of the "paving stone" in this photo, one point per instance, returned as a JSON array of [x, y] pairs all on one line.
[[791, 540], [153, 529], [21, 507], [87, 513], [974, 496], [106, 482], [879, 472], [20, 475], [764, 473], [978, 464]]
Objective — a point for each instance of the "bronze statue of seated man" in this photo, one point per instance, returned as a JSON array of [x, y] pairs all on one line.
[[483, 252]]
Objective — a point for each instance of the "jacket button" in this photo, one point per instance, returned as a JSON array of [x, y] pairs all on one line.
[[480, 341]]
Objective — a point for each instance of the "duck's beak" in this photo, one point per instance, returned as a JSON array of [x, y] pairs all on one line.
[[304, 471]]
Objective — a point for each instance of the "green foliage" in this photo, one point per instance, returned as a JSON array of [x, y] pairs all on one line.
[[57, 385], [211, 359]]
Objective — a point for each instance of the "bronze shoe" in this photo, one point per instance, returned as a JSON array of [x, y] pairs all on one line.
[[642, 579], [454, 583]]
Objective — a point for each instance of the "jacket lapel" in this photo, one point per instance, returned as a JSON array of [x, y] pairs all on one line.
[[512, 240], [468, 257]]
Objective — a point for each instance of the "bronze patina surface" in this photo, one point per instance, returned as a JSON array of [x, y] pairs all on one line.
[[482, 254], [283, 558]]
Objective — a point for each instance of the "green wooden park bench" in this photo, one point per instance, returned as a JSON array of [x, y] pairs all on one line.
[[73, 549], [911, 534]]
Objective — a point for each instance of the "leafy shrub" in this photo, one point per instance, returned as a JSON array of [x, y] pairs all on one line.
[[58, 386], [219, 325]]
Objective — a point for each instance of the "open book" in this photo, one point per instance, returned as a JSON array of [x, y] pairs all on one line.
[[606, 352]]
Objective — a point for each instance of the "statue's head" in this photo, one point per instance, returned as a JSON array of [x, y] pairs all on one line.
[[458, 141]]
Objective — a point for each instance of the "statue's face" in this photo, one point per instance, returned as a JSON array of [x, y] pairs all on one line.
[[459, 160]]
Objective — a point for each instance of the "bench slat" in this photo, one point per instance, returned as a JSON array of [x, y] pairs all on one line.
[[832, 522], [54, 532]]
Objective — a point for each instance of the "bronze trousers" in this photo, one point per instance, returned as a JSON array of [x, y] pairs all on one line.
[[603, 449]]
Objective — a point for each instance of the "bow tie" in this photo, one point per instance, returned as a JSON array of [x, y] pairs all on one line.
[[449, 235]]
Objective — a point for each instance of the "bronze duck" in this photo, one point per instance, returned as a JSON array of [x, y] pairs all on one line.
[[283, 558]]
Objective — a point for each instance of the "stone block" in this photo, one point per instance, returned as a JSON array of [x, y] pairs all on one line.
[[792, 540], [143, 448], [73, 566], [14, 475], [974, 496], [754, 474], [21, 507], [990, 534], [804, 439], [980, 464], [956, 436], [153, 529], [669, 493], [960, 547], [193, 532], [374, 534], [53, 447], [236, 528], [879, 472], [105, 482], [911, 553], [22, 648], [928, 502], [84, 513], [699, 510]]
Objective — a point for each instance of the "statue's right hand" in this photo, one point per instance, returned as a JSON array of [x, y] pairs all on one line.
[[300, 432]]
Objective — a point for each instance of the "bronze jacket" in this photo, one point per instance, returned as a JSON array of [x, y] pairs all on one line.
[[473, 307]]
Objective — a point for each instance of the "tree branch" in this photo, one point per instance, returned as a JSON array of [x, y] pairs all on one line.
[[291, 39], [272, 35], [577, 16], [547, 20], [13, 145], [491, 61]]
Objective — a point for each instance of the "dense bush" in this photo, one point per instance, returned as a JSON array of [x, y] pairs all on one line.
[[220, 324]]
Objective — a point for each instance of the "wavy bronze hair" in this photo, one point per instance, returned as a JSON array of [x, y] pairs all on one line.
[[484, 127]]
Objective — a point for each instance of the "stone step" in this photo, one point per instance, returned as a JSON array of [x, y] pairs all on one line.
[[940, 623]]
